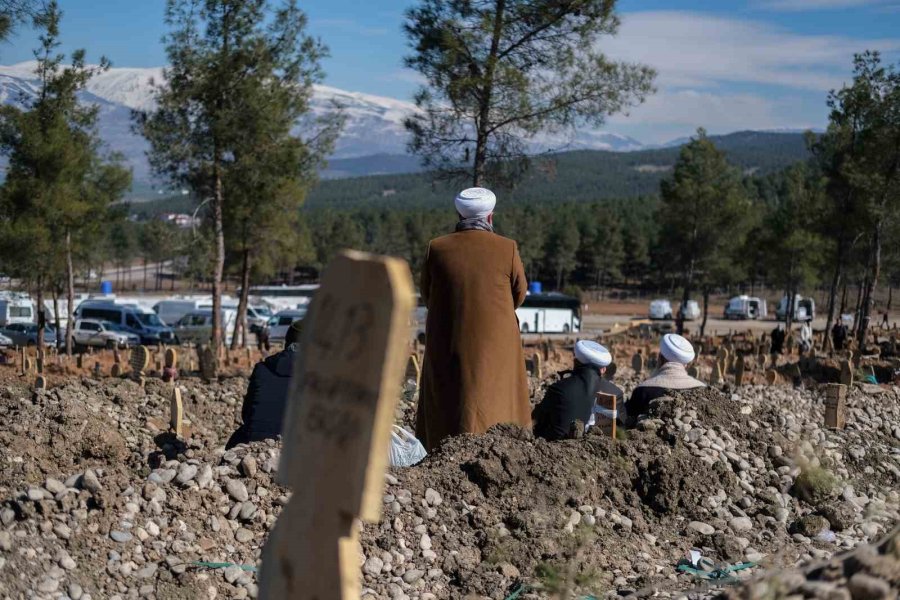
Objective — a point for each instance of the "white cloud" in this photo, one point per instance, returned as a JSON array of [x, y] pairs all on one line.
[[809, 5], [675, 113], [727, 74], [704, 51]]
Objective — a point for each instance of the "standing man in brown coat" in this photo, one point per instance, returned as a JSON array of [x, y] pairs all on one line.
[[473, 375]]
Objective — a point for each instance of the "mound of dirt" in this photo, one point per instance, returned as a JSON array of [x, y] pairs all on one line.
[[97, 501]]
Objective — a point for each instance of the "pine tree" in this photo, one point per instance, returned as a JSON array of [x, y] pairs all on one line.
[[702, 210], [501, 71], [227, 59], [58, 183]]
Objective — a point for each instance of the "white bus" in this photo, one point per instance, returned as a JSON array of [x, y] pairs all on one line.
[[549, 313], [283, 297]]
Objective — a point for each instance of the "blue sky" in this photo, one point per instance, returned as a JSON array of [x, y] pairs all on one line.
[[724, 65]]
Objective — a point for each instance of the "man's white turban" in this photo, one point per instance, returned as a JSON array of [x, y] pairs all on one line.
[[592, 353], [475, 203], [676, 349]]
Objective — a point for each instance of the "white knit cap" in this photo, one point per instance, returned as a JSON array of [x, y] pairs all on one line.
[[592, 353], [676, 349], [475, 203]]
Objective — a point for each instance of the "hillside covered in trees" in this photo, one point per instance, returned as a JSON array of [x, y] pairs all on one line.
[[578, 176]]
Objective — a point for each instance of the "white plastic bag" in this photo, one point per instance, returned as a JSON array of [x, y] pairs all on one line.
[[406, 449]]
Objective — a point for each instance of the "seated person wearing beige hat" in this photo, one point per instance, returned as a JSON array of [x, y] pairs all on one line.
[[675, 353]]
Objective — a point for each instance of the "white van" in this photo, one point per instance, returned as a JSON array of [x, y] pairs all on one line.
[[690, 310], [804, 309], [549, 313], [196, 326], [171, 310], [660, 309], [746, 307], [16, 310]]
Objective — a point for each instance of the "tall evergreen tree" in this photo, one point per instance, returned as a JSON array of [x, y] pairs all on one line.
[[58, 183], [701, 210], [501, 71], [227, 60]]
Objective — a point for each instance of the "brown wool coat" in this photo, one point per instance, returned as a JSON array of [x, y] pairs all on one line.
[[473, 376]]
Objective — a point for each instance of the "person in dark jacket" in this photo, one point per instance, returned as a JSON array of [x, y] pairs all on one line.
[[675, 354], [839, 334], [262, 414], [778, 337], [572, 398]]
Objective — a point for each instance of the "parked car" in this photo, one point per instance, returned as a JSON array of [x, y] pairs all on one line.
[[26, 334], [103, 334], [5, 341], [257, 317], [660, 309], [132, 318], [280, 323]]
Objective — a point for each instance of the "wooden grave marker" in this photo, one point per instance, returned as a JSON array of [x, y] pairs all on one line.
[[835, 405], [40, 383], [715, 377], [207, 359], [344, 391], [170, 368], [177, 423], [693, 371], [771, 376], [606, 414], [846, 373], [739, 367], [413, 370], [140, 358]]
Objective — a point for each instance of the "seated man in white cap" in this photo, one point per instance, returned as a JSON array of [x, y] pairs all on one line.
[[473, 375], [572, 398], [675, 353]]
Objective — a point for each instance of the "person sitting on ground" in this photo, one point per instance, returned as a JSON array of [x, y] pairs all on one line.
[[675, 353], [267, 393], [572, 398], [778, 337]]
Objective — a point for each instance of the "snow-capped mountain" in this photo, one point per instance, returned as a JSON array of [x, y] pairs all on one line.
[[374, 124]]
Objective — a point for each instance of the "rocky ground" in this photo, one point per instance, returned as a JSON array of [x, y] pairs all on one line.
[[97, 501]]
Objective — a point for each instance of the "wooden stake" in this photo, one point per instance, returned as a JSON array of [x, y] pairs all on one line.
[[606, 420], [344, 391], [176, 413], [835, 405]]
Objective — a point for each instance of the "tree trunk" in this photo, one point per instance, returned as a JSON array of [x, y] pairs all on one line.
[[688, 283], [832, 294], [484, 113], [219, 270], [869, 305], [857, 312], [890, 297], [145, 274], [705, 310], [56, 322], [240, 323], [41, 318], [844, 298], [70, 296]]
